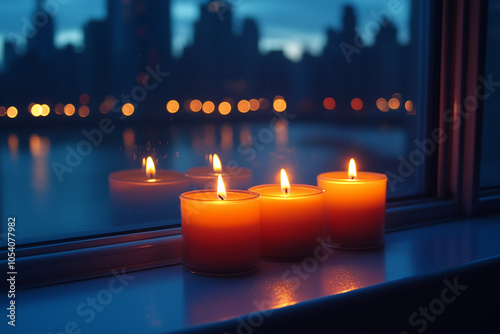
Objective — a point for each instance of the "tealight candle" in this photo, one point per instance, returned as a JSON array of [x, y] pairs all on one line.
[[291, 219], [220, 231], [146, 195], [206, 177], [354, 208]]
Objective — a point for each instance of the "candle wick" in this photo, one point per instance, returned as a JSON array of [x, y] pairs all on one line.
[[286, 190], [220, 197], [353, 177]]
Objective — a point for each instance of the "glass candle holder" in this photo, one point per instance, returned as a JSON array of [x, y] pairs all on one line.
[[220, 237]]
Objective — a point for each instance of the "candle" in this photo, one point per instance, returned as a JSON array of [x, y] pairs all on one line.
[[206, 177], [146, 195], [291, 219], [220, 231], [354, 208]]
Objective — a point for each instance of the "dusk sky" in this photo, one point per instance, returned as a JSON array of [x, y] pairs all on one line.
[[293, 26]]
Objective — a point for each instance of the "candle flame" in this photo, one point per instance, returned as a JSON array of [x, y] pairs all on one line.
[[150, 168], [143, 163], [221, 190], [285, 185], [352, 170], [216, 164]]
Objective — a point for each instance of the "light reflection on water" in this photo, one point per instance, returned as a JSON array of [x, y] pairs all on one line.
[[79, 204]]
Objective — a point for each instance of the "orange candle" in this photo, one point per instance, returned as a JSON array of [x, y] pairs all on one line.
[[291, 218], [206, 177], [146, 195], [220, 231], [354, 208]]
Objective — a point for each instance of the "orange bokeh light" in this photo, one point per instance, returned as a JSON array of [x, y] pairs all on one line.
[[172, 106], [69, 109], [264, 103], [36, 110], [279, 104], [195, 105], [59, 109], [208, 107], [254, 104], [409, 106], [128, 109], [3, 111], [382, 104], [45, 110], [329, 103], [83, 111], [357, 104], [394, 103], [224, 108], [243, 106], [12, 112]]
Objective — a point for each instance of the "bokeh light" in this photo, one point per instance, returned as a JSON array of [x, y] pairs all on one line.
[[224, 108], [279, 104], [36, 110], [12, 112], [409, 106], [208, 107], [195, 105], [394, 103], [59, 109], [128, 109], [83, 111], [264, 103], [357, 104], [382, 104], [254, 104], [243, 106], [69, 109], [3, 111], [45, 110], [329, 103], [172, 106]]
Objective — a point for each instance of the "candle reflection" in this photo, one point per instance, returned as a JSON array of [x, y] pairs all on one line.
[[353, 272], [281, 292], [281, 129], [209, 137], [245, 135], [129, 140], [13, 142], [39, 149], [226, 137]]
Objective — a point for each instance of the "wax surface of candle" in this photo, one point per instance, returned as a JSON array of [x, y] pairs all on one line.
[[220, 237], [354, 209], [291, 224], [136, 198]]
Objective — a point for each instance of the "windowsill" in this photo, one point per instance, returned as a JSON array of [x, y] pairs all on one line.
[[170, 299]]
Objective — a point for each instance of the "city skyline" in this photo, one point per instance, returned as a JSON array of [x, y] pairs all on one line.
[[290, 30], [132, 46]]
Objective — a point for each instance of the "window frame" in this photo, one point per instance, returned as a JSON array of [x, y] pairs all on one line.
[[460, 55]]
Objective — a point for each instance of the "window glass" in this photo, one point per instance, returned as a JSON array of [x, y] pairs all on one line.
[[490, 153], [89, 88]]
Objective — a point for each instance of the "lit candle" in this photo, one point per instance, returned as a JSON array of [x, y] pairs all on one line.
[[206, 177], [220, 231], [146, 195], [354, 208], [291, 219]]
